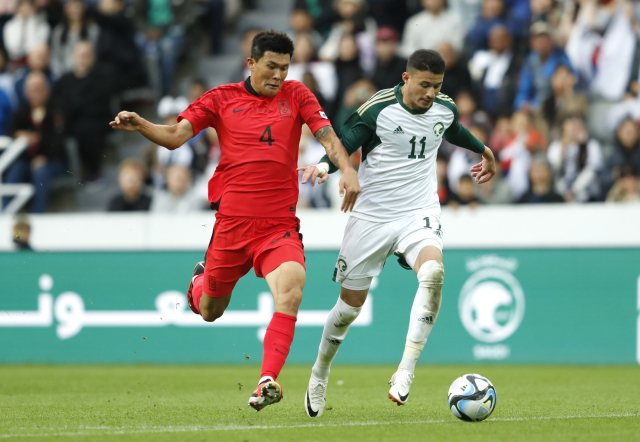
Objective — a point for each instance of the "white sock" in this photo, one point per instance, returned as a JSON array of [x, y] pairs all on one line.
[[335, 330], [424, 312], [265, 379]]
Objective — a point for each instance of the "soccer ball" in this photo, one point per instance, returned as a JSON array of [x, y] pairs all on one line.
[[472, 398]]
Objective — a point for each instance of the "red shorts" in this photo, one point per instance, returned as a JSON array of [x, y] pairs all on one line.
[[239, 243]]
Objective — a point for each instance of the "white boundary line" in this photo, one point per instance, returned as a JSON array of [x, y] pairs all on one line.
[[109, 431]]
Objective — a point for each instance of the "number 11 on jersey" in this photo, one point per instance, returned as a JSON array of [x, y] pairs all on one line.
[[423, 143]]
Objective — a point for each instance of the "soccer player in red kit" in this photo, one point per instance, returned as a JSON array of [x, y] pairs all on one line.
[[255, 190]]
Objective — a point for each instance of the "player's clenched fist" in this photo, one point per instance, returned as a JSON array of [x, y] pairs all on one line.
[[129, 121]]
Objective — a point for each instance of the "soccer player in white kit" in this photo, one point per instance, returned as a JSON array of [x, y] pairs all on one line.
[[398, 211]]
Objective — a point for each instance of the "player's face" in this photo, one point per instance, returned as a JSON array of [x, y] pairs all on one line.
[[421, 88], [268, 73]]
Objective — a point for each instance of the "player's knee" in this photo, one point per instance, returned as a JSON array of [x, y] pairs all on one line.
[[431, 273], [289, 300], [210, 315]]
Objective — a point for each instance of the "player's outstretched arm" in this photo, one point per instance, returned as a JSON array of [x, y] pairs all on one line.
[[170, 137], [340, 158], [486, 169]]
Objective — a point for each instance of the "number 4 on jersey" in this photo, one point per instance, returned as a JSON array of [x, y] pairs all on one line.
[[266, 136]]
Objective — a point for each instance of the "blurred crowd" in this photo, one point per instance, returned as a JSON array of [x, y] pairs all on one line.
[[551, 86]]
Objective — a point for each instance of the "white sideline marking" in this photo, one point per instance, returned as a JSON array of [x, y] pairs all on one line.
[[98, 431]]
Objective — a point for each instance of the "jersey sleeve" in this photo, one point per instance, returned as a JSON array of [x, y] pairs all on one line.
[[201, 113], [458, 134], [310, 110], [355, 132]]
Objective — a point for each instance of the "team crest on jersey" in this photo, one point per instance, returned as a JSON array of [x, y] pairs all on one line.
[[438, 129], [285, 110]]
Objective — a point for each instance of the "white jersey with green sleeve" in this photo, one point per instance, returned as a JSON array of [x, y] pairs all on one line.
[[399, 147]]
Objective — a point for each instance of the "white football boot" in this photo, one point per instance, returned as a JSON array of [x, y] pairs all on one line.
[[315, 397], [400, 386]]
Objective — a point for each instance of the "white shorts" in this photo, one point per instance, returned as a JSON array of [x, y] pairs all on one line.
[[367, 245]]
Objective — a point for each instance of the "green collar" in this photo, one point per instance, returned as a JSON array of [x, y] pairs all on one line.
[[398, 92]]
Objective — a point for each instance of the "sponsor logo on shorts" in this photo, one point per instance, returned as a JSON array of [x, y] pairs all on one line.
[[286, 235], [212, 283]]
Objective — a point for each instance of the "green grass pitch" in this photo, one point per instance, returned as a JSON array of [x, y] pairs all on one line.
[[206, 403]]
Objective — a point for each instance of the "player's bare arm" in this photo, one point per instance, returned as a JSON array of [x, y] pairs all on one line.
[[486, 169], [340, 158], [170, 137]]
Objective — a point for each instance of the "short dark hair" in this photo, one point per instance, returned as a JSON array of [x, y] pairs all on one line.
[[426, 60], [273, 41]]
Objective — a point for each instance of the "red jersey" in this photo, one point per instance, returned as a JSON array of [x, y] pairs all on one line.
[[259, 141]]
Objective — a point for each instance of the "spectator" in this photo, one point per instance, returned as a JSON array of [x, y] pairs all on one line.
[[322, 13], [131, 197], [7, 11], [602, 47], [27, 29], [534, 85], [301, 22], [37, 61], [40, 122], [495, 191], [197, 89], [21, 233], [164, 41], [311, 151], [501, 134], [494, 71], [456, 75], [515, 158], [389, 65], [462, 159], [160, 159], [75, 27], [492, 15], [7, 80], [431, 27], [242, 72], [468, 10], [353, 21], [84, 95], [563, 102], [7, 96], [626, 189], [116, 44], [304, 60], [389, 13], [443, 182], [466, 194], [576, 161], [347, 66], [215, 16], [355, 96], [179, 196], [541, 187], [626, 153]]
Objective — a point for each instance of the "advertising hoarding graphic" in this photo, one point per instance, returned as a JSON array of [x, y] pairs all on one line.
[[491, 304], [515, 306]]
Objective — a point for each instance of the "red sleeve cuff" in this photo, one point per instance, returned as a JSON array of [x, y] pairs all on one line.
[[196, 128]]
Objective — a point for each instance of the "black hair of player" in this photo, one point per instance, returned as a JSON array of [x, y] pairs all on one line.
[[273, 41], [426, 60]]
